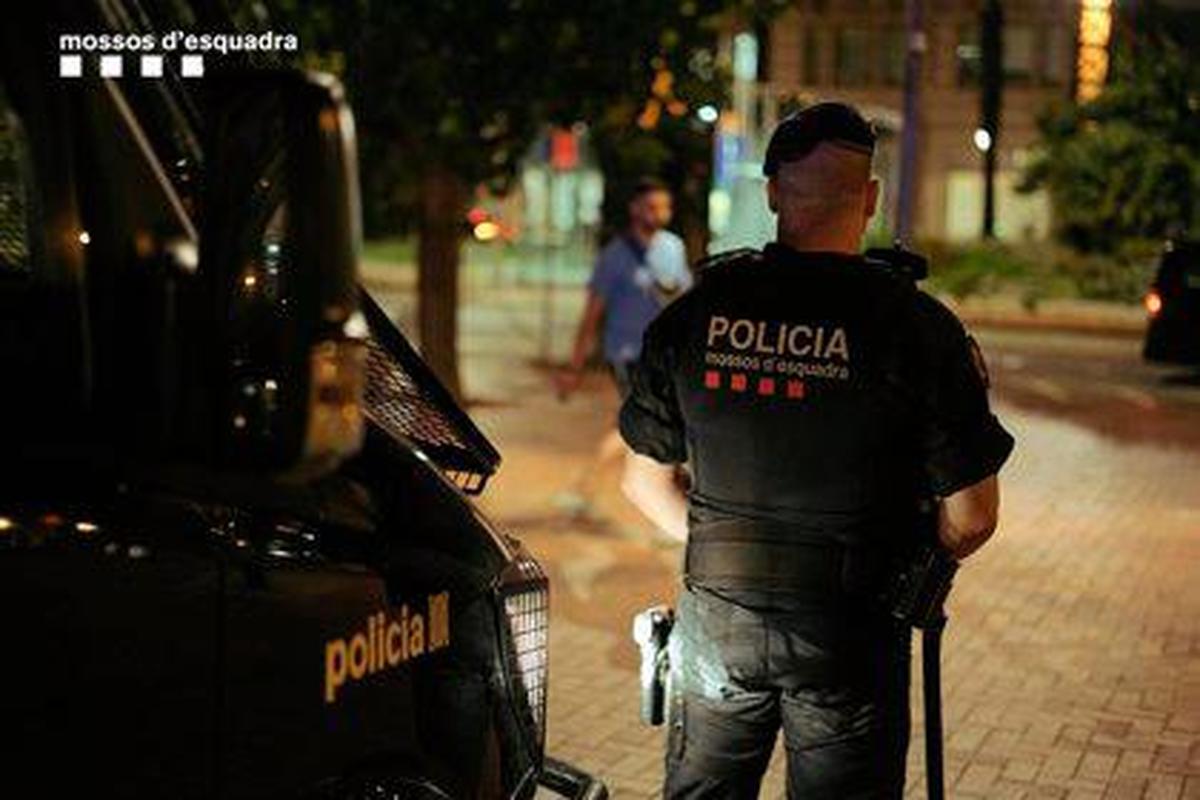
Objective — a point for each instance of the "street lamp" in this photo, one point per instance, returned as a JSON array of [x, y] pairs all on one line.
[[991, 42]]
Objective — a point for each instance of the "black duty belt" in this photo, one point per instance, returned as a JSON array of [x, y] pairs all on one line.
[[734, 557]]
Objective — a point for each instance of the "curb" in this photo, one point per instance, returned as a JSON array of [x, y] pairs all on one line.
[[374, 275], [1093, 318], [1090, 318]]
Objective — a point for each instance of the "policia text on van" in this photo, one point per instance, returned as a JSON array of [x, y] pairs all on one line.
[[230, 528]]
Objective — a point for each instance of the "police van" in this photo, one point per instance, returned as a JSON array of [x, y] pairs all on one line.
[[238, 558], [1173, 304]]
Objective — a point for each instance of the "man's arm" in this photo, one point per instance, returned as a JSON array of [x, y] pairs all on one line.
[[652, 488], [585, 340], [585, 336], [967, 518]]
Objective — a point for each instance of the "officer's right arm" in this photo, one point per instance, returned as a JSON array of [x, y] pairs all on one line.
[[967, 518], [654, 488], [652, 425], [963, 443]]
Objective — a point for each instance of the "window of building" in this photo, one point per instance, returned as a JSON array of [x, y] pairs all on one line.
[[894, 51], [968, 55], [1020, 52], [853, 57], [1019, 217], [810, 57], [1054, 65]]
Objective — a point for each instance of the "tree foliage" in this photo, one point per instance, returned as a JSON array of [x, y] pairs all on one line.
[[1126, 166], [469, 84], [451, 94]]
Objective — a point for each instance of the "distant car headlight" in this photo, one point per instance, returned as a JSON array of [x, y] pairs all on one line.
[[1153, 302], [526, 595]]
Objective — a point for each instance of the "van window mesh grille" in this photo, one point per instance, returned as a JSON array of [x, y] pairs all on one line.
[[405, 399]]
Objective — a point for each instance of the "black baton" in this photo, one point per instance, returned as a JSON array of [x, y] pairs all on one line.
[[931, 663], [917, 595]]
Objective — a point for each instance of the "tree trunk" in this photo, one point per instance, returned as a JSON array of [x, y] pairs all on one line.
[[440, 234], [692, 209]]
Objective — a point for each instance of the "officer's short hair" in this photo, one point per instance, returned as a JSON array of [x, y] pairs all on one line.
[[835, 124]]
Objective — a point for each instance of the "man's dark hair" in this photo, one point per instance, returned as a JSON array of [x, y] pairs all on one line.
[[647, 184]]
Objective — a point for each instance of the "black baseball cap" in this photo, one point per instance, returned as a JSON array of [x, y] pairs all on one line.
[[799, 134]]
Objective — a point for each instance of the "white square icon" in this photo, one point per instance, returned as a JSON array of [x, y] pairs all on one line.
[[111, 66], [191, 66], [70, 66], [152, 66]]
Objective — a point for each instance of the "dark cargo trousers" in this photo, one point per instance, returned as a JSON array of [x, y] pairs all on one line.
[[745, 665]]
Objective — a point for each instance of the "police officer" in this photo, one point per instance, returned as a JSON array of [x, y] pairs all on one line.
[[818, 399]]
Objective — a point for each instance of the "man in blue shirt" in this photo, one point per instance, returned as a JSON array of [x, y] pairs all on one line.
[[635, 275]]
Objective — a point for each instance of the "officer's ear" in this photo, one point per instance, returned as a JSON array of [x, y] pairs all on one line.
[[773, 194]]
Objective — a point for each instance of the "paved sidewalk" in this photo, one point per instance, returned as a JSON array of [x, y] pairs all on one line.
[[1072, 663]]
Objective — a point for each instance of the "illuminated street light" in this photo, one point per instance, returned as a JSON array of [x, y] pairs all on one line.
[[982, 139], [486, 231], [708, 114]]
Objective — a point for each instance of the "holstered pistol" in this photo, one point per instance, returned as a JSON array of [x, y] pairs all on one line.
[[651, 630]]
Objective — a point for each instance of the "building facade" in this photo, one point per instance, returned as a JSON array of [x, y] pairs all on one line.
[[854, 50]]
